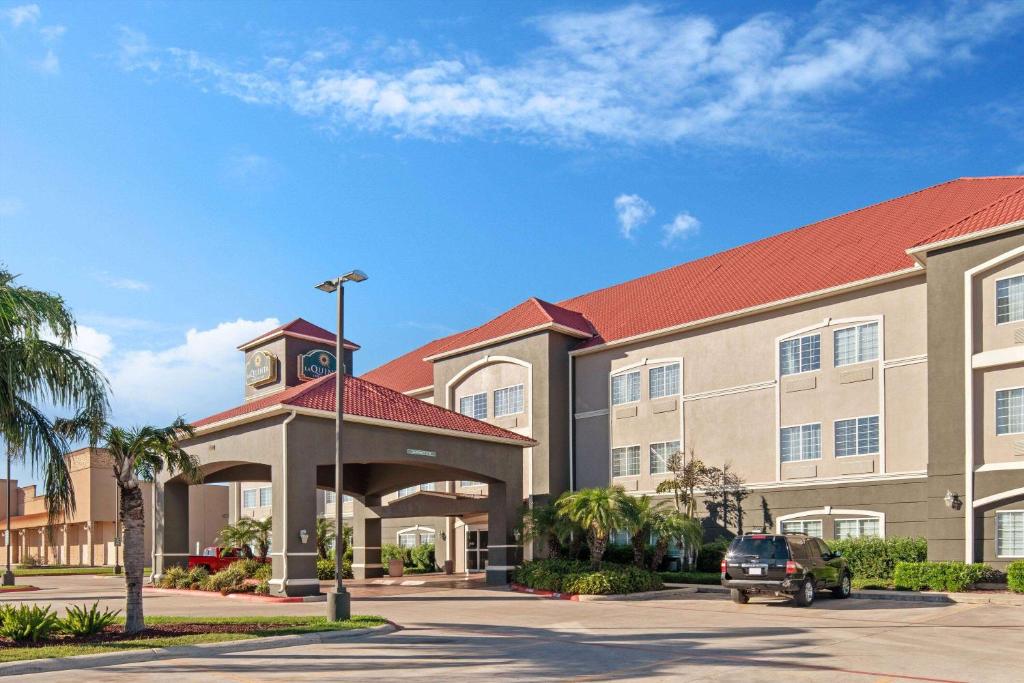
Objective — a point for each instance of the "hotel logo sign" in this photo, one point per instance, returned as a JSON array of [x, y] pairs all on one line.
[[261, 369], [316, 363]]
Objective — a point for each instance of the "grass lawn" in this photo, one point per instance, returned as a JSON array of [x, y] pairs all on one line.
[[270, 626], [704, 578], [65, 571]]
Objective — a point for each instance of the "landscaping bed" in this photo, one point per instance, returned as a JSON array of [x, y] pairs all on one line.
[[575, 577], [66, 570]]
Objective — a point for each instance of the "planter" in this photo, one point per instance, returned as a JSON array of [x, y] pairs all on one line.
[[396, 568]]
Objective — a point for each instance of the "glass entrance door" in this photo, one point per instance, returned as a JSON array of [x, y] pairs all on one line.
[[476, 550]]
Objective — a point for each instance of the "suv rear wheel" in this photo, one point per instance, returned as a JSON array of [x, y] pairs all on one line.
[[843, 589], [739, 597], [805, 596]]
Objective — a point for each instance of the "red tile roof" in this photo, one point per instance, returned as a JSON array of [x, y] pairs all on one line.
[[303, 328], [366, 399], [854, 246]]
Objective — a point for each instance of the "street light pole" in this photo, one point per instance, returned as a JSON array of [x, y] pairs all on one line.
[[117, 518], [8, 579], [339, 605]]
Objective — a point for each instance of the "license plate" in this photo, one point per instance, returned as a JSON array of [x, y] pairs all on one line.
[[755, 571]]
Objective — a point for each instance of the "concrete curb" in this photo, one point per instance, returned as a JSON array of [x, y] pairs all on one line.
[[239, 596], [666, 594], [1009, 599], [35, 666]]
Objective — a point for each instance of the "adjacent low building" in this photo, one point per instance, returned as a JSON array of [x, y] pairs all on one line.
[[88, 537]]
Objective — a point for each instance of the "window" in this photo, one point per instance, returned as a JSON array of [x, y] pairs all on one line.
[[426, 537], [802, 442], [408, 490], [619, 537], [414, 536], [664, 381], [346, 499], [811, 527], [475, 406], [266, 498], [1010, 299], [856, 344], [508, 401], [329, 498], [626, 388], [660, 453], [800, 355], [465, 483], [407, 539], [1009, 411], [1010, 533], [249, 498], [857, 436], [432, 486], [626, 461], [858, 528]]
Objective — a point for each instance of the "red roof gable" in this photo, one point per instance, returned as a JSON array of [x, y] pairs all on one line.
[[854, 246], [365, 399], [300, 327]]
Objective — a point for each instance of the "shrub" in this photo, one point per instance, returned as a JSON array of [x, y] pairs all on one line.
[[231, 579], [876, 558], [325, 569], [422, 556], [574, 576], [390, 551], [1015, 576], [939, 576], [30, 561], [83, 622], [172, 576], [263, 572], [196, 577], [709, 559], [262, 588], [249, 568], [27, 623]]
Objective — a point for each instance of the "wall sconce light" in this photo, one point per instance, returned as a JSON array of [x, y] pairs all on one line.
[[444, 536], [952, 500], [303, 535]]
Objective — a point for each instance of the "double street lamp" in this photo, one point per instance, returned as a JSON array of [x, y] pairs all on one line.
[[338, 604]]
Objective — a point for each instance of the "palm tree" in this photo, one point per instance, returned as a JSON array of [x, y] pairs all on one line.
[[325, 537], [137, 453], [673, 526], [259, 534], [238, 536], [639, 517], [597, 510], [37, 367], [544, 523]]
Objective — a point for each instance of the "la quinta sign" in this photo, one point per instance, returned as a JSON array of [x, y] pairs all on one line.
[[261, 369], [316, 363]]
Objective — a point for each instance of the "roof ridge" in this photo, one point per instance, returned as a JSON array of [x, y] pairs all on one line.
[[539, 303], [969, 216]]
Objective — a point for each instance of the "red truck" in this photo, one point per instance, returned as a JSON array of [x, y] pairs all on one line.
[[215, 558]]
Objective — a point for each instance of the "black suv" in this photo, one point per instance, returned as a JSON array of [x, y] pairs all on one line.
[[793, 565]]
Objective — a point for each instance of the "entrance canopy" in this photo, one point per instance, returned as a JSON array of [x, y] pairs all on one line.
[[390, 441]]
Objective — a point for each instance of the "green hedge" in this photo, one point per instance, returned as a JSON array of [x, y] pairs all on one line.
[[422, 557], [938, 576], [709, 559], [573, 576], [1015, 576], [325, 568], [876, 558]]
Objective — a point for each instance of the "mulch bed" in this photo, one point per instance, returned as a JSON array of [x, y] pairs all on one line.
[[115, 633]]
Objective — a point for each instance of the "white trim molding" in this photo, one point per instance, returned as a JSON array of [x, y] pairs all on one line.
[[996, 497], [830, 511], [998, 466]]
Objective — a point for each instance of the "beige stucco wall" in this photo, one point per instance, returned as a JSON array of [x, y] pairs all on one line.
[[988, 334]]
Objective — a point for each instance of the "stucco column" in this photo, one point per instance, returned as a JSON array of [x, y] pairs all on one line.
[[88, 544], [366, 537], [504, 553], [294, 518], [66, 559], [234, 502], [170, 526]]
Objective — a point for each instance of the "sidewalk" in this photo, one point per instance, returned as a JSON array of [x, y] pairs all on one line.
[[975, 598]]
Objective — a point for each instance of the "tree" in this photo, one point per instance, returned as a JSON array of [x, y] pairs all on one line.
[[246, 533], [38, 367], [688, 475], [137, 454], [544, 523], [639, 517], [674, 526], [723, 496], [597, 511], [325, 537], [236, 536]]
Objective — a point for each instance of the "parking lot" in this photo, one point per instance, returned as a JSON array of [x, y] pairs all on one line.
[[463, 633]]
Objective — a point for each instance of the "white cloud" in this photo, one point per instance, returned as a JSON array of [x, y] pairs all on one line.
[[22, 14], [49, 64], [93, 344], [9, 206], [117, 282], [684, 225], [635, 74], [51, 34], [632, 211]]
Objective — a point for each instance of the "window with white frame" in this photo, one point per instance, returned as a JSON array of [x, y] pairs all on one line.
[[626, 388], [800, 355], [626, 461], [249, 498], [664, 381], [660, 453], [266, 496], [811, 527], [858, 528], [407, 539], [857, 436], [410, 538], [330, 498], [1010, 299], [800, 442], [474, 406], [856, 344], [465, 482], [432, 486], [508, 401], [1009, 411], [1010, 533], [619, 537], [407, 491]]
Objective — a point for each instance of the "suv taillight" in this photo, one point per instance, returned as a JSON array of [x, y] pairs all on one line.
[[723, 565], [792, 567]]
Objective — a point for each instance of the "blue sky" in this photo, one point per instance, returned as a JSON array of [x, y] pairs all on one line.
[[184, 172]]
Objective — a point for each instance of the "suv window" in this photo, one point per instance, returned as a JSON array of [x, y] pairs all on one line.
[[822, 548], [803, 548], [763, 547]]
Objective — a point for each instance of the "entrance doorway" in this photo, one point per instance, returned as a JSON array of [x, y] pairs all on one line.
[[476, 550]]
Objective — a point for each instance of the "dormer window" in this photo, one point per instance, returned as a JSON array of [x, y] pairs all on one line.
[[1010, 300], [474, 406], [800, 355]]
